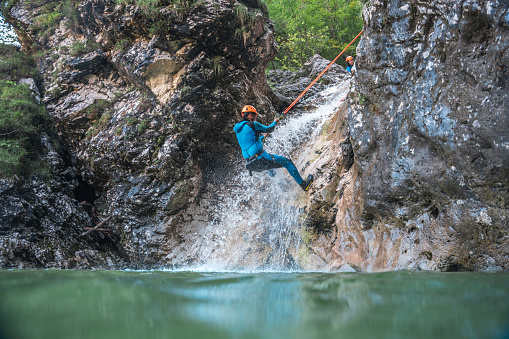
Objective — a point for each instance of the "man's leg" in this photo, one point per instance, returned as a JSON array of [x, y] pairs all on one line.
[[288, 164], [270, 161]]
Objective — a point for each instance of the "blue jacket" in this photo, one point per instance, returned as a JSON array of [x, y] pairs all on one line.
[[349, 68], [250, 138]]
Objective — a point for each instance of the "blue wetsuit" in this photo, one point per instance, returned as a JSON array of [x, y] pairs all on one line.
[[250, 141]]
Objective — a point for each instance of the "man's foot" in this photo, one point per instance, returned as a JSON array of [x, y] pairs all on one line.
[[307, 183]]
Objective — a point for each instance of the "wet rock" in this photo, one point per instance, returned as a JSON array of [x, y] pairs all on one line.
[[83, 66], [410, 175], [42, 222], [428, 122], [30, 82], [411, 172], [288, 85], [89, 62], [146, 117]]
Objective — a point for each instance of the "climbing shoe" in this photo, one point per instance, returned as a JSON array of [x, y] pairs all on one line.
[[307, 183]]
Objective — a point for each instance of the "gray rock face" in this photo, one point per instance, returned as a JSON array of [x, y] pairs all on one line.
[[42, 222], [82, 66], [145, 105], [288, 85], [429, 126]]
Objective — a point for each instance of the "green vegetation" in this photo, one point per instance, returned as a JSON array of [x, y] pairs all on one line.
[[215, 63], [22, 118], [142, 127], [49, 14], [149, 7], [96, 110], [99, 113], [15, 65], [98, 124], [185, 89], [122, 44], [362, 98], [79, 48], [157, 23], [305, 28], [246, 19], [160, 141], [131, 121]]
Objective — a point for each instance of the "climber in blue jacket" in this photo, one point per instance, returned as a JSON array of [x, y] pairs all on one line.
[[250, 135], [349, 62]]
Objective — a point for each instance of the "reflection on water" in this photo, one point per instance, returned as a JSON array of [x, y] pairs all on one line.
[[76, 304]]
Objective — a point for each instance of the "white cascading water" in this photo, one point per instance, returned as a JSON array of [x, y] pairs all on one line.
[[255, 222]]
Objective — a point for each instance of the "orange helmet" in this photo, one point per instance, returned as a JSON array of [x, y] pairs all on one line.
[[248, 109], [348, 58]]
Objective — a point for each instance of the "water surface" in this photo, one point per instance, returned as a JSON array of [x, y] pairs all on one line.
[[115, 304]]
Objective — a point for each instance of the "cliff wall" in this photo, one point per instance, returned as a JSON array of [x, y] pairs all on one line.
[[144, 100], [428, 124]]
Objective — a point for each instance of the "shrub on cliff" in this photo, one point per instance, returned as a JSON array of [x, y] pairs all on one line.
[[48, 14], [22, 118]]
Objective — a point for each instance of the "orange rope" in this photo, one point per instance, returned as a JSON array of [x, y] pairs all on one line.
[[318, 77]]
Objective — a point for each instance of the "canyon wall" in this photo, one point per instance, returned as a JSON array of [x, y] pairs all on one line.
[[144, 100], [411, 167], [427, 123]]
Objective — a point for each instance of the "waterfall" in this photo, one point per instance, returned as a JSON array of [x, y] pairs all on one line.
[[255, 223], [7, 34]]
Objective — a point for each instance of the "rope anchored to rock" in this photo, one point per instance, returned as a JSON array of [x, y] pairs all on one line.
[[319, 76]]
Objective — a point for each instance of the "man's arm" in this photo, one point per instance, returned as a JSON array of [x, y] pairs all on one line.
[[265, 129]]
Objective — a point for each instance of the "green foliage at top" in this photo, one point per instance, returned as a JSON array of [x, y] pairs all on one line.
[[21, 117], [246, 19], [48, 14], [7, 5], [307, 27], [79, 48], [15, 65], [215, 63]]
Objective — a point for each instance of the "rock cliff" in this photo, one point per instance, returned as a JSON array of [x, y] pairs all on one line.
[[429, 130], [144, 99]]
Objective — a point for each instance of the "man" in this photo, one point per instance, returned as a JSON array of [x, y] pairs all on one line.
[[250, 135], [349, 62]]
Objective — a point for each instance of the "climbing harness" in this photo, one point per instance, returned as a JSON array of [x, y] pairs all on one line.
[[319, 76]]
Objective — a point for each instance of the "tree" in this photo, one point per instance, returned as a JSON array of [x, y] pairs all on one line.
[[307, 27]]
